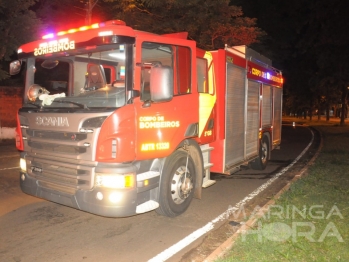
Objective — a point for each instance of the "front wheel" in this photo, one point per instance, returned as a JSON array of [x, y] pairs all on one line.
[[177, 184], [260, 163]]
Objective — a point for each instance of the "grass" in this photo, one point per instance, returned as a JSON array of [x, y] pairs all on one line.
[[309, 222]]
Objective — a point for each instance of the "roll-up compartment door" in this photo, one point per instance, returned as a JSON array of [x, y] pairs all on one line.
[[252, 126], [277, 94], [266, 106], [234, 115]]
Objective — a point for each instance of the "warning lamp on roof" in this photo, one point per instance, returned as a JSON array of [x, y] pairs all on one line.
[[48, 36], [84, 28], [80, 29]]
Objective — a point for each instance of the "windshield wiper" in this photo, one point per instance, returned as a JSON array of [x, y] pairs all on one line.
[[71, 102]]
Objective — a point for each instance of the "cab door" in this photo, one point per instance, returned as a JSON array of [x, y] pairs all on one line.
[[163, 125]]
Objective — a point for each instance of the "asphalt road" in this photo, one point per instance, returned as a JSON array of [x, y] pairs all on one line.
[[32, 229]]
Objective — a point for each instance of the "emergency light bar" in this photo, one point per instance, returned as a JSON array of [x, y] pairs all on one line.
[[84, 28]]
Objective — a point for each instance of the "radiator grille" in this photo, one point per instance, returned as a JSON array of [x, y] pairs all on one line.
[[70, 176], [57, 148], [62, 136]]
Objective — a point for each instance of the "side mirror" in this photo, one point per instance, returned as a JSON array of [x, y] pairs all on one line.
[[15, 67], [161, 83]]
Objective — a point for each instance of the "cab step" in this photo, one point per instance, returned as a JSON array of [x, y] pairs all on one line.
[[206, 152]]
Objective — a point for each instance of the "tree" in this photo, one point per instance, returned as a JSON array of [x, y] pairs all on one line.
[[212, 24], [60, 15], [326, 36], [18, 24]]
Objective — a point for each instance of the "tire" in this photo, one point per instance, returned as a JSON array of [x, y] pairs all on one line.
[[260, 163], [176, 186]]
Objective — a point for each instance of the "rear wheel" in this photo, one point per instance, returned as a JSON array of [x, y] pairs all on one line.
[[177, 184], [260, 163]]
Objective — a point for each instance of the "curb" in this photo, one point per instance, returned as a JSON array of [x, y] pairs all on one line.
[[226, 246]]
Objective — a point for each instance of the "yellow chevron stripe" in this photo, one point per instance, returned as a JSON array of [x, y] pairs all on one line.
[[207, 101]]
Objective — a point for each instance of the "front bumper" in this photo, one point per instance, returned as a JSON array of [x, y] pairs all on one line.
[[100, 201]]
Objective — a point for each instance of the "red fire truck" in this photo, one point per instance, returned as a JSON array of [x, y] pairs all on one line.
[[118, 122]]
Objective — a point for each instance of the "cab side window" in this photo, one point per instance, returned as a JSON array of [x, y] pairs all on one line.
[[175, 57], [153, 54], [183, 72], [202, 78]]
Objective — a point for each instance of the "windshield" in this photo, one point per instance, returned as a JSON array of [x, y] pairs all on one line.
[[92, 79]]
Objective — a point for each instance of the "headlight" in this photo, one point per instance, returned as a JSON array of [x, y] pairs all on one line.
[[115, 181], [23, 164]]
